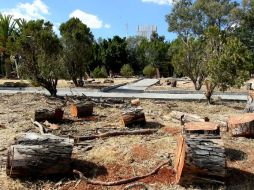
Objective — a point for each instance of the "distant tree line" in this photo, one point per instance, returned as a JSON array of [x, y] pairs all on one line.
[[214, 46]]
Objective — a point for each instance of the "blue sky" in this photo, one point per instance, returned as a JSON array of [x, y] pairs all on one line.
[[106, 18]]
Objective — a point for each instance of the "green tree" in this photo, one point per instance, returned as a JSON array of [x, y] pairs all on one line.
[[100, 72], [7, 29], [77, 42], [149, 71], [127, 71], [41, 59]]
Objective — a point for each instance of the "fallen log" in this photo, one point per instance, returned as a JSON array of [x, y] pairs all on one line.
[[186, 117], [120, 182], [200, 160], [114, 133], [33, 154], [133, 117], [82, 109], [241, 125], [52, 115], [201, 128]]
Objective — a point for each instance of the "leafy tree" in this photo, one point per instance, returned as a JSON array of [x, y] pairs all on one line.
[[100, 72], [149, 71], [126, 71], [41, 54], [7, 29], [77, 42]]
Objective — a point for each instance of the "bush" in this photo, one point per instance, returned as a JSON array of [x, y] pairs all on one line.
[[100, 72], [126, 70], [149, 71]]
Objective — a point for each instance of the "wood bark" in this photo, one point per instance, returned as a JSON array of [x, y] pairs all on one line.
[[133, 118], [184, 117], [53, 115], [33, 154], [242, 125], [208, 128], [200, 159], [82, 109]]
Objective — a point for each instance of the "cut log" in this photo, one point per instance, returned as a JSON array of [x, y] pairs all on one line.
[[135, 102], [133, 118], [202, 128], [108, 81], [53, 115], [249, 108], [81, 109], [200, 159], [33, 154], [242, 125], [186, 117]]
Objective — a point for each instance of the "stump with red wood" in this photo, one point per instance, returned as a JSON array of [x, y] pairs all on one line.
[[207, 128], [200, 159], [133, 117], [52, 115], [241, 125], [34, 154], [82, 109]]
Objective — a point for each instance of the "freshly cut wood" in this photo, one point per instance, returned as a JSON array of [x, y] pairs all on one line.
[[52, 115], [200, 159], [184, 117], [135, 102], [33, 154], [242, 125], [82, 109], [133, 118], [201, 128]]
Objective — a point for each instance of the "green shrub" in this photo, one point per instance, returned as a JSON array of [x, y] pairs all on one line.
[[126, 70], [100, 72], [149, 71]]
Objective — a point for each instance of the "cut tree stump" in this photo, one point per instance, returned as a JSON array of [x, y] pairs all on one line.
[[81, 109], [202, 128], [186, 117], [133, 117], [135, 102], [200, 159], [33, 154], [241, 125], [52, 115]]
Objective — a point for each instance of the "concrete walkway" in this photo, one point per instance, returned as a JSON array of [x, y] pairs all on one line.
[[139, 86]]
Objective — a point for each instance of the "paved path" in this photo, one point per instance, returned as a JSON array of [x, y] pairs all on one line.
[[96, 93], [139, 86]]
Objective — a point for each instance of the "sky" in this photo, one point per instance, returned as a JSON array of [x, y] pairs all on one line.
[[105, 18]]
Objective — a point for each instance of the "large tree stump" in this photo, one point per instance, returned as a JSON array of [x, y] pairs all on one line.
[[186, 117], [208, 128], [33, 154], [52, 115], [241, 125], [133, 117], [82, 109], [199, 159]]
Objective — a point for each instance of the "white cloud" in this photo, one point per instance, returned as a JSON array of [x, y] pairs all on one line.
[[35, 10], [92, 21], [159, 2], [56, 28]]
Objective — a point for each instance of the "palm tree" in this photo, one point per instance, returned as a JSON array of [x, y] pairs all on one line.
[[7, 28]]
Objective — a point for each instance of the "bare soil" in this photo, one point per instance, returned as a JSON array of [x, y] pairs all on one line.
[[115, 158]]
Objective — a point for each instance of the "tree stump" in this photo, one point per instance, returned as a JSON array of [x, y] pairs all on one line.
[[200, 159], [133, 117], [33, 154], [207, 128], [173, 83], [135, 102], [53, 115], [82, 109], [241, 125]]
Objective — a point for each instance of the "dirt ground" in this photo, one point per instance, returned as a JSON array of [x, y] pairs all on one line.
[[114, 158]]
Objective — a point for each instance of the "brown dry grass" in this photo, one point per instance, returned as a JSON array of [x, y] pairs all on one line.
[[117, 157]]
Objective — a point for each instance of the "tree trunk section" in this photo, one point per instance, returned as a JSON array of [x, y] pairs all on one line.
[[242, 125], [81, 109], [133, 118], [186, 117], [200, 159], [207, 128], [54, 115], [33, 154]]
